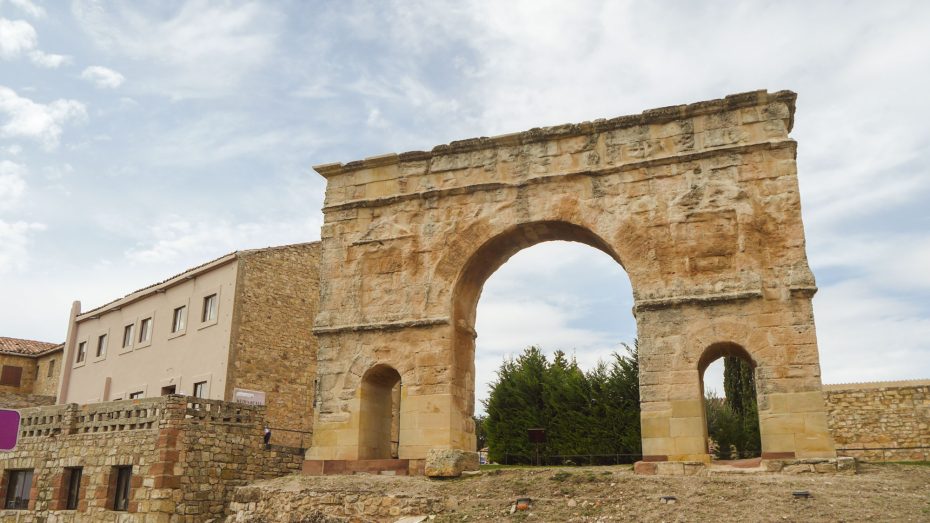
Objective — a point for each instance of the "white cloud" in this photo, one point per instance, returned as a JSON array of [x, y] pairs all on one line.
[[47, 60], [12, 184], [195, 239], [206, 48], [867, 335], [12, 150], [41, 122], [219, 137], [30, 8], [103, 77], [14, 240], [16, 37], [894, 262], [375, 119]]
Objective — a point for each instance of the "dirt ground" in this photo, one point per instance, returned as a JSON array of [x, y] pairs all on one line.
[[879, 492]]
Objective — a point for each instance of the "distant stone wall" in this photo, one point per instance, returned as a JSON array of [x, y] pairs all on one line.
[[14, 400], [888, 421], [186, 454], [28, 376], [273, 348], [48, 384]]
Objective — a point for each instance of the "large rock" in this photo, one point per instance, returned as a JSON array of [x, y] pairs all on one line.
[[449, 463]]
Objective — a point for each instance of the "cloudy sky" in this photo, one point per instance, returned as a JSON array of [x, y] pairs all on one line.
[[139, 139]]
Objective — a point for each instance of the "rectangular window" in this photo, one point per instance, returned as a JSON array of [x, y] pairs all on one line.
[[18, 484], [127, 334], [209, 308], [177, 321], [51, 368], [168, 390], [11, 376], [135, 395], [200, 389], [145, 330], [73, 477], [121, 492], [81, 352], [101, 345]]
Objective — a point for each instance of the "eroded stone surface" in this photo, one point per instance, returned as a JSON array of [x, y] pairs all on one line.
[[699, 204], [449, 463]]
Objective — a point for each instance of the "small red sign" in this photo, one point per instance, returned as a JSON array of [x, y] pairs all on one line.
[[9, 429]]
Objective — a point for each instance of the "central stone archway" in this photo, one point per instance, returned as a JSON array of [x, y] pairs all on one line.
[[699, 204]]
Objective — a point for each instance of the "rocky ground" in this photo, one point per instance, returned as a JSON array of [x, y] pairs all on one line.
[[880, 492]]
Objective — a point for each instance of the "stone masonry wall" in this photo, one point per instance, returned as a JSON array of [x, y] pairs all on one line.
[[28, 364], [887, 421], [700, 205], [186, 455], [45, 384], [216, 462], [61, 436], [274, 349], [13, 400]]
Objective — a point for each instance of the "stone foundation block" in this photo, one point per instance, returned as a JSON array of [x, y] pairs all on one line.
[[449, 463], [846, 465]]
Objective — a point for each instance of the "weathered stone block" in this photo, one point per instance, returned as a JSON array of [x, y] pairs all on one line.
[[647, 468], [449, 463]]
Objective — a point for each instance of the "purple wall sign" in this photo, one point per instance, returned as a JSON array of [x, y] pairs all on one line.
[[9, 429]]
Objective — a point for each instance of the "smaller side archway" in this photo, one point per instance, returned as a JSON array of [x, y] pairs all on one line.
[[379, 413], [731, 422]]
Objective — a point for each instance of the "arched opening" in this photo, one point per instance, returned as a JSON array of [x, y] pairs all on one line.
[[379, 413], [731, 412], [543, 246]]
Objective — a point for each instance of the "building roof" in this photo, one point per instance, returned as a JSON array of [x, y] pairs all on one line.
[[30, 348], [178, 278]]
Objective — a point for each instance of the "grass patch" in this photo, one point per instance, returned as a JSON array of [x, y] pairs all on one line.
[[561, 476], [915, 463], [503, 467]]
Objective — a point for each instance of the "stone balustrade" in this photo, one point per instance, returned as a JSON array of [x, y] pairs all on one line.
[[135, 414]]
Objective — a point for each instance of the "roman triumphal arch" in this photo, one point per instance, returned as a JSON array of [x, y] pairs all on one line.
[[699, 203]]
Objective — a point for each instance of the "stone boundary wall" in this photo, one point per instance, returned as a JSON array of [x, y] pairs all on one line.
[[17, 400], [882, 421], [186, 454]]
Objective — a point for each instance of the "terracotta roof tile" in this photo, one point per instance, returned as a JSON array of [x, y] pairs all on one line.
[[26, 347]]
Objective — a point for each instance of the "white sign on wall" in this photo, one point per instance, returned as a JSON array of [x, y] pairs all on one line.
[[249, 397]]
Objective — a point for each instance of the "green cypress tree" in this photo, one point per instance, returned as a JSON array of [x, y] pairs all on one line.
[[566, 396], [583, 413], [740, 388], [516, 404]]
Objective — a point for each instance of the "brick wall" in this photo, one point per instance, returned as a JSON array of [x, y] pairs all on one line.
[[273, 348], [186, 455], [881, 421]]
